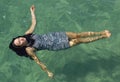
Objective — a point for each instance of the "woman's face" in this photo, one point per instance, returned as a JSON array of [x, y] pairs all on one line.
[[21, 41]]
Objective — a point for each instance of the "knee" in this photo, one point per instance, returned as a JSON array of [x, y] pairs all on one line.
[[73, 42]]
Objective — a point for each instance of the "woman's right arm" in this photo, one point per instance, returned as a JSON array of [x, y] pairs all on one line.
[[31, 53]]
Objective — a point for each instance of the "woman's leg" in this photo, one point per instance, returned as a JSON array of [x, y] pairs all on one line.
[[76, 41], [73, 35], [90, 33]]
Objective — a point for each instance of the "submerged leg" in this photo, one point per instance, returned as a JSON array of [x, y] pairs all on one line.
[[73, 35], [88, 39], [87, 34]]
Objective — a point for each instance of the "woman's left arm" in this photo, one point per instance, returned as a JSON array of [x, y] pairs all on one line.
[[32, 27], [31, 53]]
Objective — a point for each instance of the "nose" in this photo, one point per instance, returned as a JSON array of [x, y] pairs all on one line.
[[22, 39]]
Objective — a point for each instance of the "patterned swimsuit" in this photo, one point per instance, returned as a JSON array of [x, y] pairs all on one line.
[[51, 41]]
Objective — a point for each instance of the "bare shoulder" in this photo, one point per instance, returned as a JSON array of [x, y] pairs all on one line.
[[29, 49]]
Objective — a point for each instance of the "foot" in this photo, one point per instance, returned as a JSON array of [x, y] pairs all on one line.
[[106, 34]]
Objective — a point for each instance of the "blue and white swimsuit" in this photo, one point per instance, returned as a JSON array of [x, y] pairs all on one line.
[[51, 41]]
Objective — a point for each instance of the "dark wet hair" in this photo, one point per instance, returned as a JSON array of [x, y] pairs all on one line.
[[21, 50]]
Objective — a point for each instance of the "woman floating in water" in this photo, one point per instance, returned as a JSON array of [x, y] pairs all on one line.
[[27, 44]]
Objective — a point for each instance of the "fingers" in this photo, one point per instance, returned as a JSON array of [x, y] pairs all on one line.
[[50, 74], [32, 8]]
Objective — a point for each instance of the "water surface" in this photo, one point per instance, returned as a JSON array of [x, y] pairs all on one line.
[[94, 62]]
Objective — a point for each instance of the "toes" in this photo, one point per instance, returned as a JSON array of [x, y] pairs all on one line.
[[107, 31], [108, 35]]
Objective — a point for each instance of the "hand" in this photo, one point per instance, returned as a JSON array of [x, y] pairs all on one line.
[[50, 74], [32, 8]]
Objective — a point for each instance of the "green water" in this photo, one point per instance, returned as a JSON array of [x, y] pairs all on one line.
[[94, 62]]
